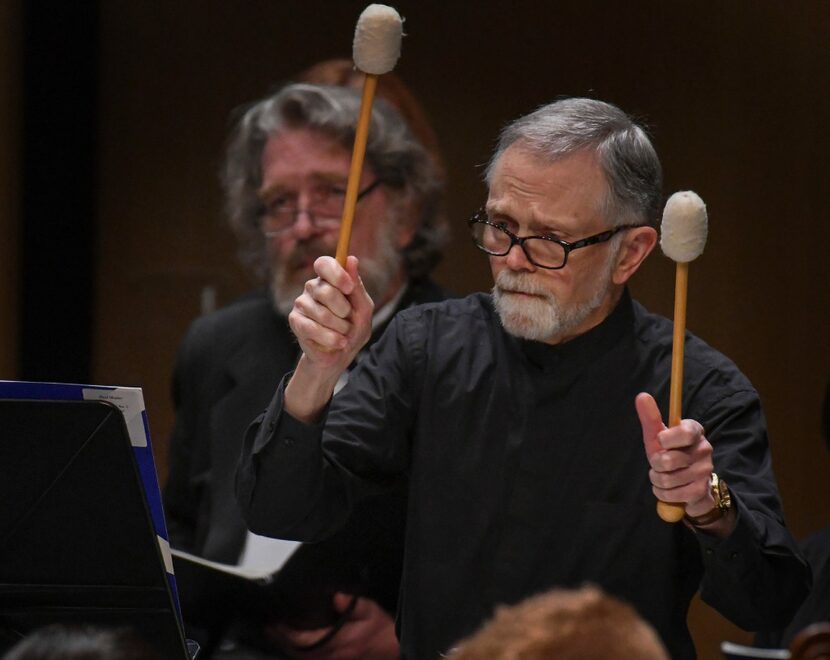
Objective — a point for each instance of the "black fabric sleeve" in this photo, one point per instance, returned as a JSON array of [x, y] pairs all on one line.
[[278, 480], [756, 577], [302, 481]]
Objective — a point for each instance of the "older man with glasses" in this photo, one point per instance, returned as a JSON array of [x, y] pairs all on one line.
[[529, 421]]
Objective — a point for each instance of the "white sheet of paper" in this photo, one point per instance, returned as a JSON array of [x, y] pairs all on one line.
[[266, 554]]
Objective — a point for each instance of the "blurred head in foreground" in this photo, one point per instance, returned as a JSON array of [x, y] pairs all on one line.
[[64, 642], [582, 624]]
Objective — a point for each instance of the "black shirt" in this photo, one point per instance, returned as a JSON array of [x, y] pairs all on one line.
[[527, 471]]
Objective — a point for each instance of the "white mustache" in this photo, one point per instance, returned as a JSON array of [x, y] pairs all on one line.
[[507, 280]]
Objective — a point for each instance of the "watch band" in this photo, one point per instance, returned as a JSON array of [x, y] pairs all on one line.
[[706, 519], [723, 502]]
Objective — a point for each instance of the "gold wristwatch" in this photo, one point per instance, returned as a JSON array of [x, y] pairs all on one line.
[[723, 502]]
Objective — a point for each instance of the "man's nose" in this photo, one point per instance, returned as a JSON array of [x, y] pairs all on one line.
[[516, 259], [304, 226]]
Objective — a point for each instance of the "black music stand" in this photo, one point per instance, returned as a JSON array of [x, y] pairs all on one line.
[[77, 543]]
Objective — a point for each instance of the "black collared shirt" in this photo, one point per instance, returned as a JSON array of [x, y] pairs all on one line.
[[527, 471]]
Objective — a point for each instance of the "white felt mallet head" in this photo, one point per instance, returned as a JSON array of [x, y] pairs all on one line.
[[377, 39], [684, 227]]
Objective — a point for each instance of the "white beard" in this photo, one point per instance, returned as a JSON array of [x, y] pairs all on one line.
[[378, 273], [542, 316]]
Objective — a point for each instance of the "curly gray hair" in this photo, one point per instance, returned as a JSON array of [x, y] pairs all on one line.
[[392, 151], [625, 153]]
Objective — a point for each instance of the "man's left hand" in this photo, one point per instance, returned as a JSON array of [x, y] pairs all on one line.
[[681, 462]]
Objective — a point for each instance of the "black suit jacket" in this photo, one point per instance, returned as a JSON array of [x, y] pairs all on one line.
[[227, 370]]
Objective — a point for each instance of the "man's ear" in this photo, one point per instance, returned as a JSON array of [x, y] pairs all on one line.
[[636, 245]]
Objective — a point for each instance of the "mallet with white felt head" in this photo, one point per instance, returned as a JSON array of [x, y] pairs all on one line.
[[683, 237], [376, 49]]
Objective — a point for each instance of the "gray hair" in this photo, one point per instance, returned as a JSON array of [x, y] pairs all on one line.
[[624, 151], [392, 151]]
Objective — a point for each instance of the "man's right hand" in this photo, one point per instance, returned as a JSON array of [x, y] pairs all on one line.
[[332, 320]]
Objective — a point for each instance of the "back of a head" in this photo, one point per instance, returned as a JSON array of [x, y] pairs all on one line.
[[623, 150], [582, 624], [64, 642]]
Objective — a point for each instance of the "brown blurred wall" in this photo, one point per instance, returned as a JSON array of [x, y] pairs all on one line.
[[9, 185], [737, 95]]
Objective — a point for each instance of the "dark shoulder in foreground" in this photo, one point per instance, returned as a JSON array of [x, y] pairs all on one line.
[[475, 305]]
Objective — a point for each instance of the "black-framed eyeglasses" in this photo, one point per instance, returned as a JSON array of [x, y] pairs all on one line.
[[279, 212], [549, 252]]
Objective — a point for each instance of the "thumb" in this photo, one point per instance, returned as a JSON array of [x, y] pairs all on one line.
[[341, 601], [359, 297], [651, 421]]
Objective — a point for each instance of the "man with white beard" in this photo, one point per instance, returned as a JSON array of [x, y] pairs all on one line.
[[285, 179], [529, 423]]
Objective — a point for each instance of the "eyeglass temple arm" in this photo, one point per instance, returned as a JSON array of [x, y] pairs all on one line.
[[358, 153]]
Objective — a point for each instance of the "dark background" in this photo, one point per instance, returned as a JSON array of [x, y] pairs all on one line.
[[113, 117]]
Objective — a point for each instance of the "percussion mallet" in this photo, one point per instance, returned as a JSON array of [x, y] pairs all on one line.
[[376, 49], [683, 237]]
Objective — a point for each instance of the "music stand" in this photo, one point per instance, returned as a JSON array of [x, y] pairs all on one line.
[[78, 544]]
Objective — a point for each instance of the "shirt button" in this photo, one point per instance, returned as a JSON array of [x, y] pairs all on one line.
[[709, 551], [734, 555], [288, 442]]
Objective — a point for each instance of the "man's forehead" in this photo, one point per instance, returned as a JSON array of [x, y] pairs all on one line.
[[523, 161], [291, 179], [304, 139], [553, 193], [298, 155]]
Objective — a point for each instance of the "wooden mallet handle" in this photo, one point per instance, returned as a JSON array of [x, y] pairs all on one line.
[[667, 511], [356, 169]]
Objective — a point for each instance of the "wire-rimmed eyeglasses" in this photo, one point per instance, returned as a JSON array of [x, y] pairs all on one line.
[[279, 213], [544, 251]]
